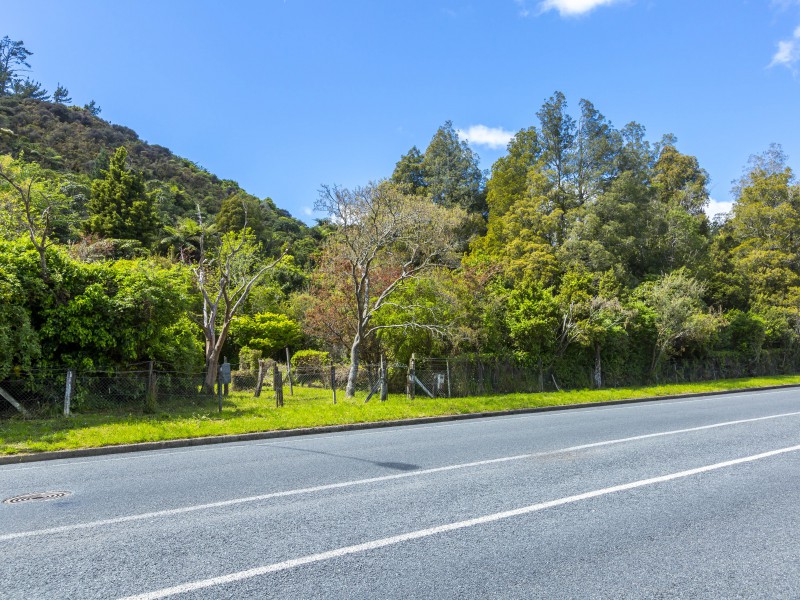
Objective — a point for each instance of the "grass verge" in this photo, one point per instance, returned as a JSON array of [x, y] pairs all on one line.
[[244, 414]]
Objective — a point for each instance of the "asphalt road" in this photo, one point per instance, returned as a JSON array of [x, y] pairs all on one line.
[[693, 498]]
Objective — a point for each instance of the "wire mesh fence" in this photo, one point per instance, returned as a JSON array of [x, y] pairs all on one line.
[[149, 388]]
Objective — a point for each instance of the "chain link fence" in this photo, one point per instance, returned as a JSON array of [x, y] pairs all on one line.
[[150, 388]]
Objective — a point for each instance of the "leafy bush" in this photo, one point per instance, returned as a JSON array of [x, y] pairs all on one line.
[[248, 359], [309, 359]]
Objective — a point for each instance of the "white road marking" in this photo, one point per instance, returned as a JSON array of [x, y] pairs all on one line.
[[423, 533], [383, 478], [150, 454]]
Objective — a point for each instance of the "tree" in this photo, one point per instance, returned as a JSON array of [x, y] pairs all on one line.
[[34, 204], [13, 59], [533, 321], [224, 276], [61, 95], [410, 171], [384, 237], [93, 108], [678, 179], [597, 144], [452, 173], [19, 343], [678, 312], [238, 209], [28, 88], [182, 240], [764, 229], [592, 314], [509, 181], [557, 134], [120, 206], [267, 332]]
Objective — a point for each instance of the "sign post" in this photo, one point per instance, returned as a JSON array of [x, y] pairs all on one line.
[[224, 378]]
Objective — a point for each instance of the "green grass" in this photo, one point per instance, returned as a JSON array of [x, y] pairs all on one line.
[[307, 408]]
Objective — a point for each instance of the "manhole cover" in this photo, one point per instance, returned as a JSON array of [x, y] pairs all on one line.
[[36, 496]]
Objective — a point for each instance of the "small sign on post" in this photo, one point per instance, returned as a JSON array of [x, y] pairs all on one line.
[[224, 378], [227, 367]]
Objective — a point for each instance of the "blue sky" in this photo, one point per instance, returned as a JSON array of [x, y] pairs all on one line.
[[285, 95]]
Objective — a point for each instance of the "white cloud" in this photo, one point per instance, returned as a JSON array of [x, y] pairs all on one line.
[[788, 53], [572, 8], [523, 8], [307, 211], [481, 135], [716, 207]]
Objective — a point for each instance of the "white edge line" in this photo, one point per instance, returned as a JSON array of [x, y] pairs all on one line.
[[357, 482], [145, 454], [423, 533]]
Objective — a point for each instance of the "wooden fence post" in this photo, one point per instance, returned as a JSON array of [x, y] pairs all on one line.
[[447, 363], [384, 380], [412, 376], [150, 396], [277, 382], [333, 382], [289, 372], [262, 372]]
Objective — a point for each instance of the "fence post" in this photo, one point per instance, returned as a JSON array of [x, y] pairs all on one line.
[[68, 392], [289, 372], [384, 380], [277, 382], [225, 389], [447, 363], [150, 396], [412, 377], [261, 374], [541, 376], [333, 382]]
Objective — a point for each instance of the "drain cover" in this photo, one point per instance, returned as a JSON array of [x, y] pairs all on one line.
[[36, 496]]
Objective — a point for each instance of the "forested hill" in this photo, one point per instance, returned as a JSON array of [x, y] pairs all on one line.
[[71, 140]]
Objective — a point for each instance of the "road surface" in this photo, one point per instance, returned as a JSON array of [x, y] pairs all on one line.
[[692, 498]]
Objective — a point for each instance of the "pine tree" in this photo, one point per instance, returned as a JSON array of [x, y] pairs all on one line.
[[120, 207]]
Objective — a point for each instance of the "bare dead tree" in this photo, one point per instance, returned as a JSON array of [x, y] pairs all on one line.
[[384, 237], [225, 277]]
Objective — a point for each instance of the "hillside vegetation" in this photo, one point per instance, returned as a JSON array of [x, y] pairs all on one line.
[[585, 255]]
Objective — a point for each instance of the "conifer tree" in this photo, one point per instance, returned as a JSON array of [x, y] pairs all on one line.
[[120, 206]]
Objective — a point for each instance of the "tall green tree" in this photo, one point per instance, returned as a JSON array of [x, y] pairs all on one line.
[[13, 59], [597, 144], [61, 95], [120, 206], [452, 172], [557, 134], [765, 225], [410, 172], [28, 88], [509, 180]]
